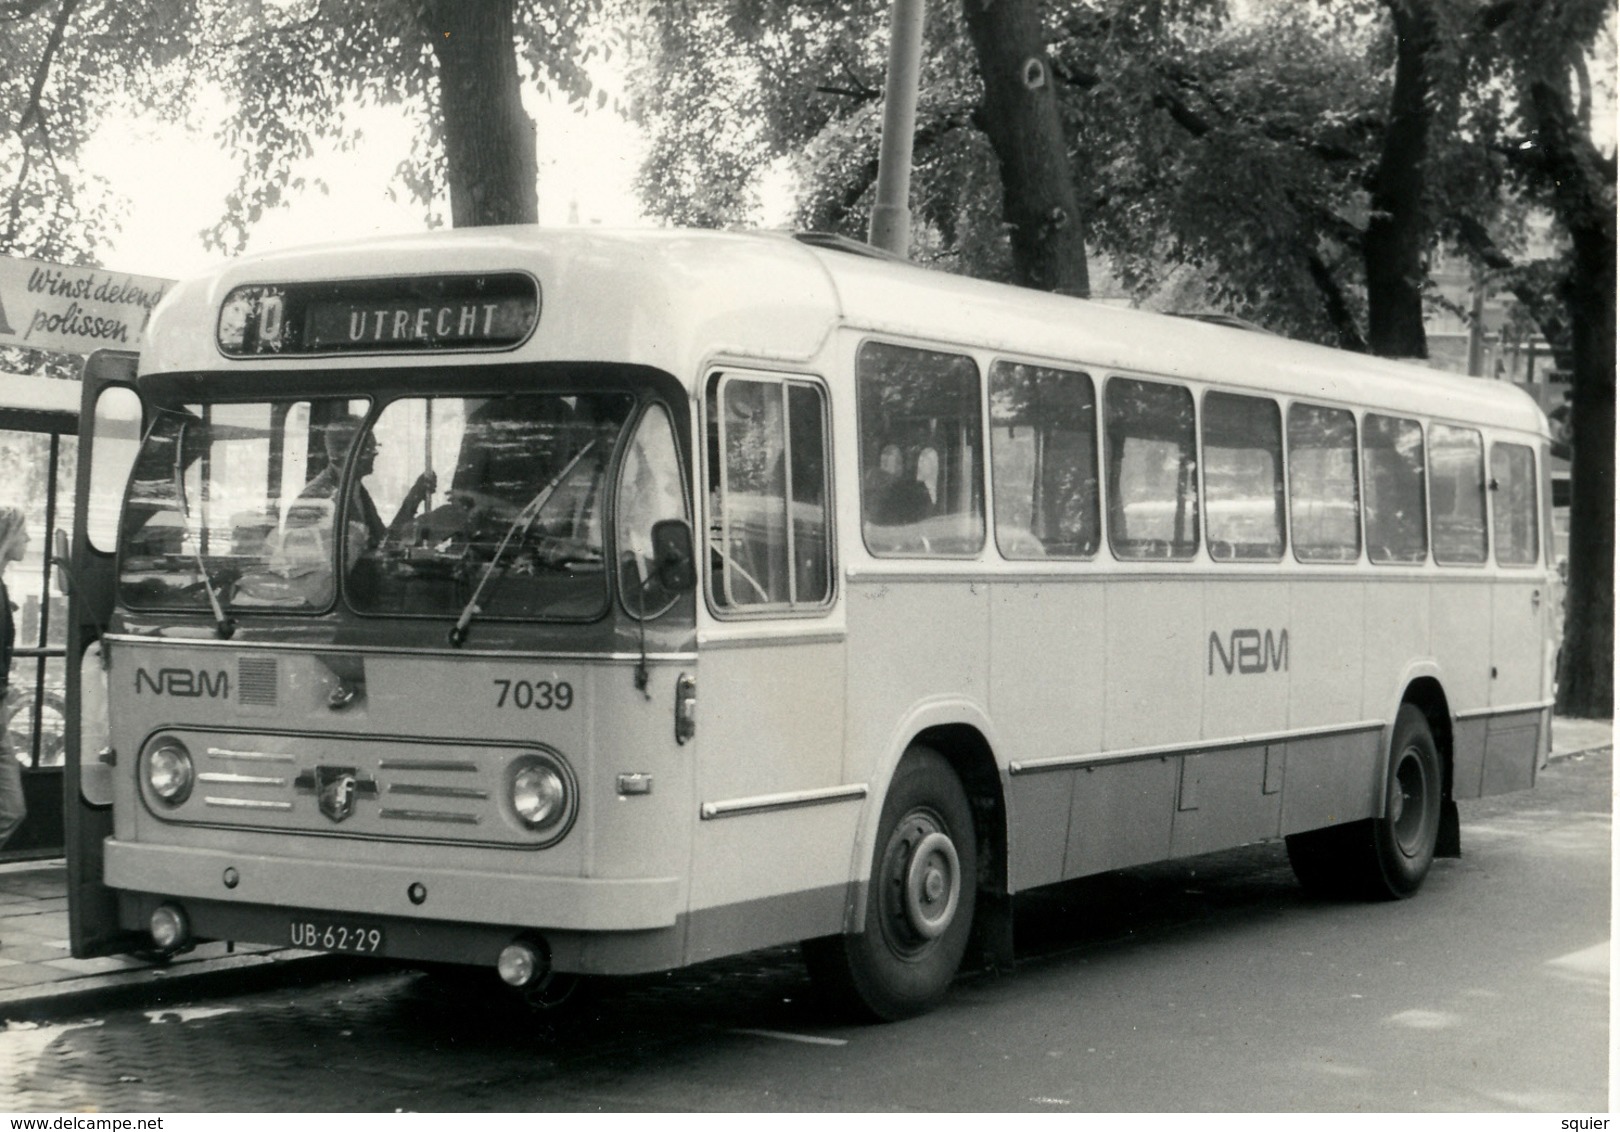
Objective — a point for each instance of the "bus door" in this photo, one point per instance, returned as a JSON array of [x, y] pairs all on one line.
[[110, 432]]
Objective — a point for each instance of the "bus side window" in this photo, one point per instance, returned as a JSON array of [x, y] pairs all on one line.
[[1243, 477], [921, 441], [1457, 494], [1152, 469], [1324, 492], [769, 500], [1513, 504], [1043, 462], [1392, 456]]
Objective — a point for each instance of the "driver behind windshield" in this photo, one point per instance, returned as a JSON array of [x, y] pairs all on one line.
[[367, 529]]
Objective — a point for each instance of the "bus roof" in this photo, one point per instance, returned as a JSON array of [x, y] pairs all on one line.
[[39, 394], [676, 299]]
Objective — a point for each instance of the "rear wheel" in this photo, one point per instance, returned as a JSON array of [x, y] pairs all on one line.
[[919, 904], [1383, 858]]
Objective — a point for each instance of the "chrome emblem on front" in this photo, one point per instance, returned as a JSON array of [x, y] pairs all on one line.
[[336, 788]]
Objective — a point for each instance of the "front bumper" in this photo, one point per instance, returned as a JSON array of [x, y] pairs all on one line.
[[455, 895]]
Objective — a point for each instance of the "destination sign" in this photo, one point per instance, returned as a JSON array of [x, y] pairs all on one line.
[[380, 316]]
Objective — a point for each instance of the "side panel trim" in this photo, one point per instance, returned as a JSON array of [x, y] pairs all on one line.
[[1067, 762], [768, 803], [1510, 709]]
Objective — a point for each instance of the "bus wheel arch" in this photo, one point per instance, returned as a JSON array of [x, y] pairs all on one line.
[[968, 752], [1427, 695], [934, 850], [1388, 856]]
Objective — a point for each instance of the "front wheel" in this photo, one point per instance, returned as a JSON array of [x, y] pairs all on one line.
[[1383, 858], [919, 903]]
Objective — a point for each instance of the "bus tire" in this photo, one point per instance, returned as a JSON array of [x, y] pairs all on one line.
[[1384, 858], [919, 903], [1405, 837]]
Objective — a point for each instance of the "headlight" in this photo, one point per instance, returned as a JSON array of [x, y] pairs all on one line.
[[169, 771], [542, 793]]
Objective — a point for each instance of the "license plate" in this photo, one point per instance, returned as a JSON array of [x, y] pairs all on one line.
[[325, 935]]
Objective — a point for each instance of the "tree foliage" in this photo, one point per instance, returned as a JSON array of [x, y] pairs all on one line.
[[65, 65], [286, 70], [1300, 168]]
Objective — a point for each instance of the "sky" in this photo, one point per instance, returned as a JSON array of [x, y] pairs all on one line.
[[587, 166]]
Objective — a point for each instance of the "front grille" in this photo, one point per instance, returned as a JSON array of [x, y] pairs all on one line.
[[256, 680], [373, 787]]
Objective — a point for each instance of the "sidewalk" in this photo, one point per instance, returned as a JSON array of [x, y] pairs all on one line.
[[40, 978]]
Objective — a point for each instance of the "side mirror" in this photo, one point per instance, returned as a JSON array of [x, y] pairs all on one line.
[[672, 555], [61, 562]]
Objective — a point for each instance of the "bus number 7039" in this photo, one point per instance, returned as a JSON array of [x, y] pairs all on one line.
[[855, 600]]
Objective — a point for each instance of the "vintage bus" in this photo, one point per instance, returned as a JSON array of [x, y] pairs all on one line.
[[568, 603], [39, 423]]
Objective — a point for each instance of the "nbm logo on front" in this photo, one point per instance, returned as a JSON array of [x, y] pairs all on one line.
[[184, 682], [1247, 652]]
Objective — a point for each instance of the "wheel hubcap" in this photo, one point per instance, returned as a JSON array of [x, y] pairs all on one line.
[[1408, 795], [921, 884], [932, 886]]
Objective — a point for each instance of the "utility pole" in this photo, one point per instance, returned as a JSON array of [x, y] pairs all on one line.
[[891, 212]]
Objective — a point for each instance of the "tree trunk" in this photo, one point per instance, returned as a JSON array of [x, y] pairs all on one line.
[[1397, 233], [1584, 198], [1585, 666], [1019, 115], [489, 142]]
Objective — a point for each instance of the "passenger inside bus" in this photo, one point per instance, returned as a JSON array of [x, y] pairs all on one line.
[[891, 497]]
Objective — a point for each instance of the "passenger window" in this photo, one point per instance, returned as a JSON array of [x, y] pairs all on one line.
[[922, 479], [769, 498], [1392, 458], [1152, 469], [1043, 452], [1324, 493], [1457, 494], [1243, 478], [1513, 504]]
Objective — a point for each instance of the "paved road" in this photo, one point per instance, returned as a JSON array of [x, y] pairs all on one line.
[[1205, 984]]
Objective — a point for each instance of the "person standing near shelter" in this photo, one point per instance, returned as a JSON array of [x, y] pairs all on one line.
[[13, 545]]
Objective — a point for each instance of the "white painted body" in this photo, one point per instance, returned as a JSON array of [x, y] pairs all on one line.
[[1116, 736]]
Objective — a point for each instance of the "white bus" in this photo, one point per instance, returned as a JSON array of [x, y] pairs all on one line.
[[406, 646]]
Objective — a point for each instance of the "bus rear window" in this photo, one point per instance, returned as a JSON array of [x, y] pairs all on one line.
[[1152, 470], [1513, 504], [1392, 453]]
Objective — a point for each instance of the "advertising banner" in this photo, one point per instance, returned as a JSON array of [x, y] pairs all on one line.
[[74, 310]]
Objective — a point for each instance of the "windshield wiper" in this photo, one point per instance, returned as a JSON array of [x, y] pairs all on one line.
[[224, 626], [522, 523]]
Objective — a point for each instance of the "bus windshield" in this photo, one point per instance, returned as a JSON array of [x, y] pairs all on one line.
[[269, 504]]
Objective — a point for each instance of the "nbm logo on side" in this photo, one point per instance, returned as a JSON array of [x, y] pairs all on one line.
[[184, 682], [1248, 652]]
